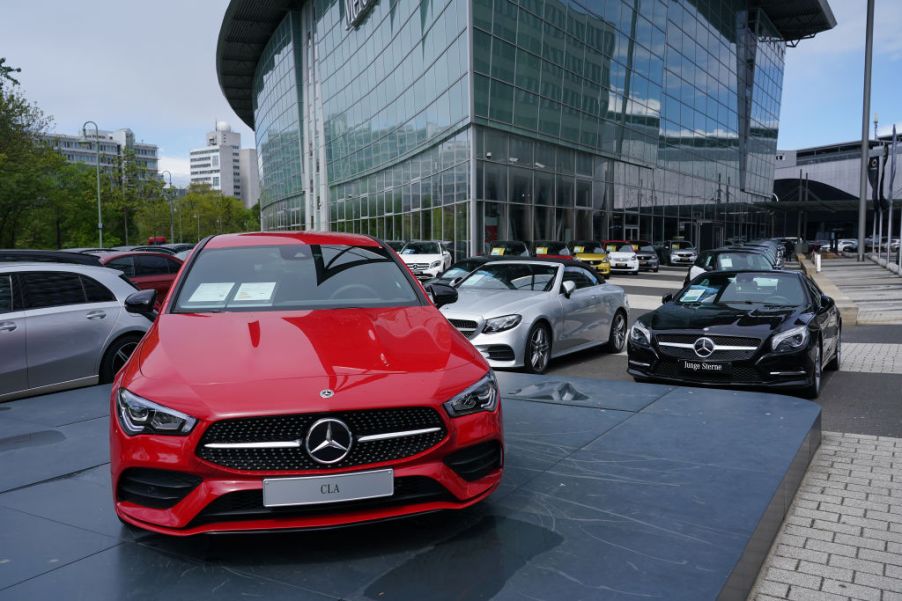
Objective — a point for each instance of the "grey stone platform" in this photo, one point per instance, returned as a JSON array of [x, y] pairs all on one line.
[[612, 490]]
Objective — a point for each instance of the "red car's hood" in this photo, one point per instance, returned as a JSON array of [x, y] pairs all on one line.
[[229, 364]]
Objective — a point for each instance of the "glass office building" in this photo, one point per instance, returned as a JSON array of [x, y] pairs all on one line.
[[479, 120]]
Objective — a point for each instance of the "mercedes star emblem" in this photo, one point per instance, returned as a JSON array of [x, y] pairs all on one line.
[[704, 347], [328, 441], [327, 393]]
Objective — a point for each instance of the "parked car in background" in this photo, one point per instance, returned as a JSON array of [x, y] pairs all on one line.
[[847, 245], [622, 256], [178, 247], [524, 313], [146, 270], [728, 259], [426, 259], [677, 252], [154, 249], [47, 256], [395, 245], [727, 328], [592, 253], [63, 326], [647, 256], [551, 249], [507, 248], [458, 270], [87, 250], [769, 248], [300, 381]]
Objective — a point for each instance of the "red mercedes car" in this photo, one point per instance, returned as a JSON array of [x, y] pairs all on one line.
[[146, 270], [299, 380]]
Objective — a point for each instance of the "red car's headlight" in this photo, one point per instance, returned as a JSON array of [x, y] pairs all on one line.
[[481, 396], [140, 416]]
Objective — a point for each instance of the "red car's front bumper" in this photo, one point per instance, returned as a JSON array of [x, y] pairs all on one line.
[[424, 482]]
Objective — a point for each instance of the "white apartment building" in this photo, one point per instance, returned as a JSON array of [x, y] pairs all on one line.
[[82, 148], [223, 165]]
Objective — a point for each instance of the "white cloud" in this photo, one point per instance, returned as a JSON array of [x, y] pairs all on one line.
[[179, 167]]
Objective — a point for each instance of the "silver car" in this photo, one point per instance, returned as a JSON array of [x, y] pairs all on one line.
[[63, 326], [522, 313]]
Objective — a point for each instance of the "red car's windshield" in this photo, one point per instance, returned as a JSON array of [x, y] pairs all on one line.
[[280, 278]]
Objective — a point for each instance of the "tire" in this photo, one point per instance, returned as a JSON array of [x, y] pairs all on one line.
[[116, 355], [617, 336], [837, 356], [813, 390], [537, 354], [656, 269]]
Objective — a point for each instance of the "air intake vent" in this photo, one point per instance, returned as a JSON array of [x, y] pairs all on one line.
[[472, 463], [159, 489]]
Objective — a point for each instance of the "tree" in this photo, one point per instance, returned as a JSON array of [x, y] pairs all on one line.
[[5, 71], [200, 212]]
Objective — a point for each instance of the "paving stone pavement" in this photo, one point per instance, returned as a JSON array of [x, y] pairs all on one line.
[[876, 291], [842, 538], [872, 357]]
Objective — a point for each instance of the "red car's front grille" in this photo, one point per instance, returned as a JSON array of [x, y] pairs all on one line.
[[294, 428]]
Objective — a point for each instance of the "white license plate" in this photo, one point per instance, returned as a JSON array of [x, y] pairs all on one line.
[[317, 490]]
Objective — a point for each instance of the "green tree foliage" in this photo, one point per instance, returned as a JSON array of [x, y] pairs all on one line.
[[46, 202], [200, 212]]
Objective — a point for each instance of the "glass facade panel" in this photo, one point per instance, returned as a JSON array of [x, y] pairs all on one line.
[[527, 119]]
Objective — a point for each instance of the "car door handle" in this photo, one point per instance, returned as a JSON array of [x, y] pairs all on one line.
[[7, 326], [96, 315]]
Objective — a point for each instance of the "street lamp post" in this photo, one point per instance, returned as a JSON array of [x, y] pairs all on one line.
[[97, 147], [171, 214], [865, 113]]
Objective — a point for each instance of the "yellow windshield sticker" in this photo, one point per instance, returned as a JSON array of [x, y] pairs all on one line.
[[579, 249], [541, 250], [498, 251]]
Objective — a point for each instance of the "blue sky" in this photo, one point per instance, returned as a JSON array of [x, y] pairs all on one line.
[[150, 67]]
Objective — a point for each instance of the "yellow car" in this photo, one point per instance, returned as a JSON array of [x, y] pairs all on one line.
[[593, 253]]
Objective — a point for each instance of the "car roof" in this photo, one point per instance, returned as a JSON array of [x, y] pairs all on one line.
[[539, 260], [132, 253], [288, 238], [61, 256], [47, 266]]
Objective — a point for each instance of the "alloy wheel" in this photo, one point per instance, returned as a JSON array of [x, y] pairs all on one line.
[[539, 348], [618, 333], [122, 354]]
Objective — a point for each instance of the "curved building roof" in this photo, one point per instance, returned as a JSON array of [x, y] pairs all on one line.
[[248, 24]]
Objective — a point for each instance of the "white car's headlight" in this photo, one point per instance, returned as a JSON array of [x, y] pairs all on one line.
[[500, 324], [481, 396], [435, 264], [790, 340], [640, 334], [140, 416]]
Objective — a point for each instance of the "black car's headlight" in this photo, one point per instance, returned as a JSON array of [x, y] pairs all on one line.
[[640, 334], [500, 324], [481, 396], [140, 416], [790, 340]]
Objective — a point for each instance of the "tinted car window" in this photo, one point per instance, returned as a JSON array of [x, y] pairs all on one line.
[[174, 266], [124, 264], [6, 294], [647, 248], [580, 277], [512, 277], [95, 291], [297, 276], [52, 289], [739, 261], [745, 288], [460, 269], [151, 265]]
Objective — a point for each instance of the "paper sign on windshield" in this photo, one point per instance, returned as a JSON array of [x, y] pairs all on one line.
[[541, 250], [692, 295], [212, 292], [498, 251], [726, 263], [255, 292], [579, 249]]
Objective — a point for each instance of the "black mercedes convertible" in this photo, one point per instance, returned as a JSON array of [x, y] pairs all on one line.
[[749, 328]]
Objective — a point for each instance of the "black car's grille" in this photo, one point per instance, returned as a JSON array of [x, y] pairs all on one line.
[[159, 489], [737, 375], [466, 327], [688, 353], [718, 340], [248, 504], [294, 427]]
